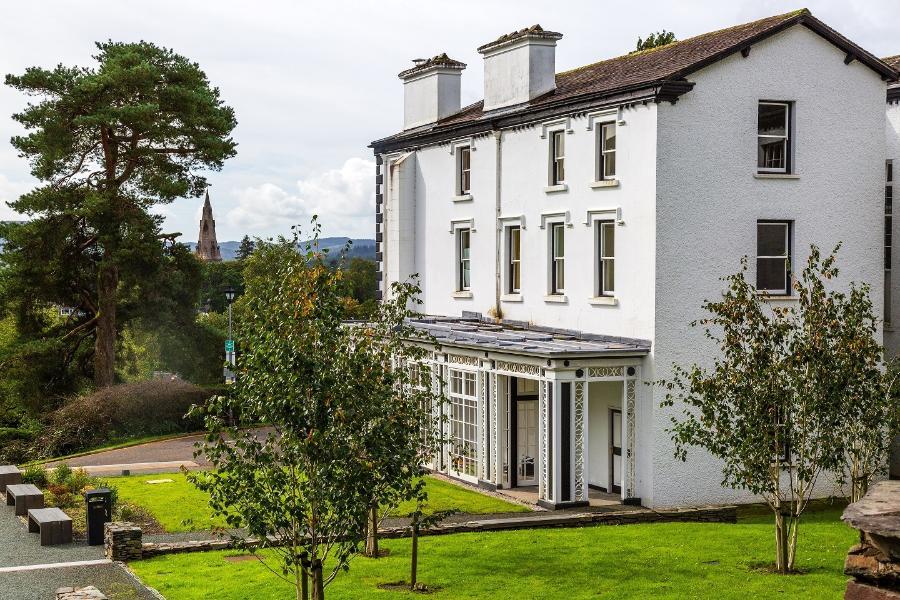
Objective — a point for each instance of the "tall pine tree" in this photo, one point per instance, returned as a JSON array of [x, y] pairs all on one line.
[[107, 143]]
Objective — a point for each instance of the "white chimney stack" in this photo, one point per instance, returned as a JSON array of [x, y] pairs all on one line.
[[431, 90], [519, 66]]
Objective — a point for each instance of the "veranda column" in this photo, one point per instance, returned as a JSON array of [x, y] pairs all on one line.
[[581, 466], [551, 452], [629, 401]]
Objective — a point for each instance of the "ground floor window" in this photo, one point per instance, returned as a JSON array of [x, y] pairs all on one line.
[[463, 422]]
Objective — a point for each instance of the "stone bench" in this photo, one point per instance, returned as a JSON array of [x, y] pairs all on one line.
[[9, 475], [24, 496], [54, 525]]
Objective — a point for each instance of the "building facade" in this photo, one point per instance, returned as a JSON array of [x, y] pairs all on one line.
[[567, 229]]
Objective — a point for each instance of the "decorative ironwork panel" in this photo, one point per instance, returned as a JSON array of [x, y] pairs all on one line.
[[630, 393], [580, 494], [544, 423], [605, 372], [463, 360], [483, 425], [494, 425], [520, 368]]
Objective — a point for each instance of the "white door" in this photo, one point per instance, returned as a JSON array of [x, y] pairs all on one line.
[[615, 451], [526, 442]]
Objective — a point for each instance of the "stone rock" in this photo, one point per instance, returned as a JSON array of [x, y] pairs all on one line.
[[85, 593], [878, 515]]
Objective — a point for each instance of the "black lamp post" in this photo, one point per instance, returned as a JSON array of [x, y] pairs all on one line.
[[229, 344]]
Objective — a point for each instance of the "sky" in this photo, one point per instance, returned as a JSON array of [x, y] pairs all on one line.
[[313, 83]]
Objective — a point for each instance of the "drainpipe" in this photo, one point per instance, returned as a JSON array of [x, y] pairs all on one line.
[[498, 172]]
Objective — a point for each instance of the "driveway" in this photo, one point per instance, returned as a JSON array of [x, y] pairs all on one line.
[[153, 457]]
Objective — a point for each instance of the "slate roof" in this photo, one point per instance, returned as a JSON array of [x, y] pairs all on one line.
[[651, 68], [521, 338]]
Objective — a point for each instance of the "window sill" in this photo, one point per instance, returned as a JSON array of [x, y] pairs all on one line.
[[511, 298], [606, 183], [560, 187], [776, 176], [462, 198], [778, 298], [465, 294], [556, 298], [603, 301]]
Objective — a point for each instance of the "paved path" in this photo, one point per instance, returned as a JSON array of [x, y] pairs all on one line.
[[29, 571], [152, 457]]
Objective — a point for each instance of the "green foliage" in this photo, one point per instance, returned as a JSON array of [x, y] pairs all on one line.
[[217, 276], [107, 143], [348, 423], [122, 411], [35, 475], [790, 394], [655, 40], [246, 248]]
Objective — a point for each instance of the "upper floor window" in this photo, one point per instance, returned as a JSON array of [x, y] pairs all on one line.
[[773, 257], [463, 170], [463, 260], [514, 252], [606, 258], [557, 157], [773, 137], [557, 258], [606, 152]]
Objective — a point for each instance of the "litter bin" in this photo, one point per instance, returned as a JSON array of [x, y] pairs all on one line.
[[99, 511]]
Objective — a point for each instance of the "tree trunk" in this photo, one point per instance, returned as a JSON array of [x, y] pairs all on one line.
[[781, 542], [105, 343], [415, 554], [792, 544], [318, 584], [304, 580], [372, 532]]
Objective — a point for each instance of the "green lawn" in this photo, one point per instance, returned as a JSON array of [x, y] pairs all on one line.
[[669, 560], [179, 506]]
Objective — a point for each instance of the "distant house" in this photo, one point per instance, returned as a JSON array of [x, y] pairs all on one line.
[[568, 228]]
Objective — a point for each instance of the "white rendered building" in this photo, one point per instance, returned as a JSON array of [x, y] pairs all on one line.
[[567, 229]]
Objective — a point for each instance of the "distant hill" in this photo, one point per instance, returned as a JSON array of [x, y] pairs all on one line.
[[362, 247]]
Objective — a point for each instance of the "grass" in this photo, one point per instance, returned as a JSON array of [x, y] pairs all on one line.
[[660, 561], [179, 506]]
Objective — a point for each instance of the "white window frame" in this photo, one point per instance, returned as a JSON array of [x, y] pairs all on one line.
[[462, 172], [788, 162], [602, 151], [603, 229], [513, 263], [463, 263], [557, 157], [463, 464], [788, 278], [557, 263]]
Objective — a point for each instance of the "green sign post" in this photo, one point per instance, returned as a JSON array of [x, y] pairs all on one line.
[[229, 345]]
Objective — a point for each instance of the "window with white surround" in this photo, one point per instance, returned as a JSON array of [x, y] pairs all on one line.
[[463, 170], [514, 260], [773, 137], [606, 151], [557, 157], [888, 236], [463, 260], [773, 257], [558, 259], [606, 258], [463, 423]]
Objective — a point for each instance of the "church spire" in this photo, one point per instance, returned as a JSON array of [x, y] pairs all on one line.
[[207, 245]]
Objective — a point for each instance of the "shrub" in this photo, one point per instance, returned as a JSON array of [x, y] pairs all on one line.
[[120, 412], [35, 475], [62, 474]]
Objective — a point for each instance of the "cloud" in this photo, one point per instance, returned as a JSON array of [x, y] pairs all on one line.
[[10, 191], [344, 200]]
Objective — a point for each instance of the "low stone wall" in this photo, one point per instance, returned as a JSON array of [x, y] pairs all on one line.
[[874, 563], [123, 540], [85, 593]]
